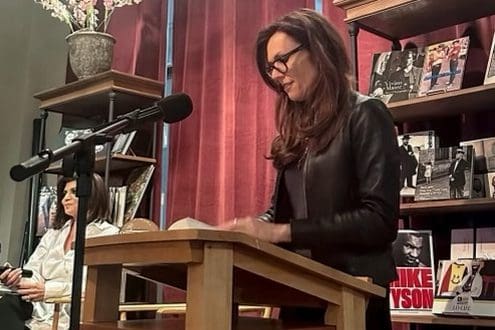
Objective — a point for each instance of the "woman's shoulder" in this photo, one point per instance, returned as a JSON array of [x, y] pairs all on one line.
[[364, 106]]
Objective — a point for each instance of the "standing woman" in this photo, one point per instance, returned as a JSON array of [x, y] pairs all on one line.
[[52, 260], [336, 153]]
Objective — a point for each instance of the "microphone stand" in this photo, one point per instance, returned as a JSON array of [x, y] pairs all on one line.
[[83, 149]]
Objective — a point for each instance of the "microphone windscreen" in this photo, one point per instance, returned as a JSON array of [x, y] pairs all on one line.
[[175, 107]]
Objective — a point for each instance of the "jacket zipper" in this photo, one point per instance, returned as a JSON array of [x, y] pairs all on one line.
[[305, 172]]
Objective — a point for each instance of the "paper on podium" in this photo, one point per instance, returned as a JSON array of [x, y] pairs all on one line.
[[190, 223]]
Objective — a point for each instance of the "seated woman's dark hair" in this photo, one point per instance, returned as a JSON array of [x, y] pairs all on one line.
[[98, 204]]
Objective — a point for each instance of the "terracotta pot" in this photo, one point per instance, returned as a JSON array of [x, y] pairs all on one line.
[[90, 52]]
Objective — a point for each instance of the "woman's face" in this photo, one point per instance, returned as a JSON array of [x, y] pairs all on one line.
[[299, 80], [69, 199]]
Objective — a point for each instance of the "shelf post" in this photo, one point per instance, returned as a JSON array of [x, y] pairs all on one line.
[[353, 30]]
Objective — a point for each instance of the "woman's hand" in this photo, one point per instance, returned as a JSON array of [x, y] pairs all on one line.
[[11, 276], [265, 231], [31, 291]]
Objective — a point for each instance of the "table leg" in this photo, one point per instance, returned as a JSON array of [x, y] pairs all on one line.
[[209, 289], [350, 314], [101, 302]]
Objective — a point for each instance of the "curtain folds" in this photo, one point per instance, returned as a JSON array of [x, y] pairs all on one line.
[[217, 168]]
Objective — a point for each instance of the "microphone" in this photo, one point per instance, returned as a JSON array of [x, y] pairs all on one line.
[[175, 107], [25, 272], [171, 109]]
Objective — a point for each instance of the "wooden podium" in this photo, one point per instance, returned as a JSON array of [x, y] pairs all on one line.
[[219, 269]]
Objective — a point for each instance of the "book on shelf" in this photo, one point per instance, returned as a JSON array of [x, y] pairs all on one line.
[[491, 184], [117, 204], [490, 68], [489, 152], [450, 176], [466, 287], [485, 242], [461, 243], [409, 146], [443, 68], [67, 135], [137, 182], [47, 208], [465, 245], [123, 142], [396, 74], [480, 188], [484, 150], [413, 291]]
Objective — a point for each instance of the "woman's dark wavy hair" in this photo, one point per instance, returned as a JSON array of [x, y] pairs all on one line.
[[314, 122], [98, 204]]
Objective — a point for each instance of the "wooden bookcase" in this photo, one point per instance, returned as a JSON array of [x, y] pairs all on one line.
[[399, 19], [103, 97]]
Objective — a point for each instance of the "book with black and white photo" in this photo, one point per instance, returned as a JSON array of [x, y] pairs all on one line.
[[396, 74], [47, 207], [123, 142], [414, 289], [444, 173], [409, 146], [491, 184]]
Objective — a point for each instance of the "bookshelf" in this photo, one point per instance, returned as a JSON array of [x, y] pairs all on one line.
[[467, 100], [99, 99], [400, 19]]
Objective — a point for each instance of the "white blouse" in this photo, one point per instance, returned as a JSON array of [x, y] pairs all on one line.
[[50, 264]]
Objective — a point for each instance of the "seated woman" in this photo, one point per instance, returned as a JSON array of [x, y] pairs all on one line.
[[52, 260]]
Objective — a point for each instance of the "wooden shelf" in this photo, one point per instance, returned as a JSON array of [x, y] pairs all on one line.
[[448, 206], [474, 99], [399, 19], [118, 163], [445, 320], [89, 98]]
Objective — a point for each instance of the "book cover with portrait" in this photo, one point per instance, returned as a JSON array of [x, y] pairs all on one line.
[[443, 68], [465, 287], [445, 173], [413, 291], [396, 75]]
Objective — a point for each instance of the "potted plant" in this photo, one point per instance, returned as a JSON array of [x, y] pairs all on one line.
[[90, 47]]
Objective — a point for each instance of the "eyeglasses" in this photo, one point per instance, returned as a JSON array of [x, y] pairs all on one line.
[[280, 61]]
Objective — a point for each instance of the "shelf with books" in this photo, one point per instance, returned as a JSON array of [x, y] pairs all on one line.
[[96, 100], [442, 320], [467, 100], [448, 206], [393, 18]]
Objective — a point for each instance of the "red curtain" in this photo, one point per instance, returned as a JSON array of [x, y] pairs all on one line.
[[140, 34], [217, 168]]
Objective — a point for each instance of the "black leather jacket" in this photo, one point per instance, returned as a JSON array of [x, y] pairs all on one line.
[[352, 196]]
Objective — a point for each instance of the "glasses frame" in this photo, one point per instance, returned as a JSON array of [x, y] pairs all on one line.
[[283, 59]]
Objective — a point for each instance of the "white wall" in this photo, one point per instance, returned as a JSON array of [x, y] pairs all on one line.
[[33, 56]]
